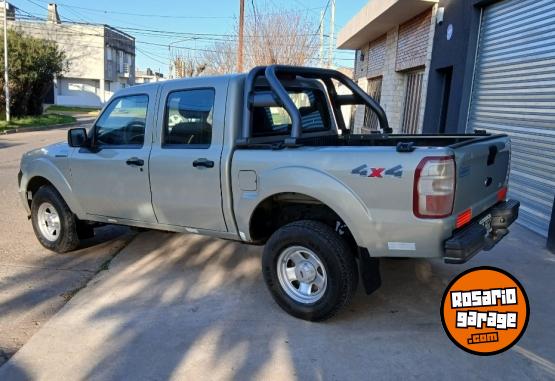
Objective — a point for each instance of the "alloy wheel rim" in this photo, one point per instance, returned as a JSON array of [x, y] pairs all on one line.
[[302, 274], [49, 221]]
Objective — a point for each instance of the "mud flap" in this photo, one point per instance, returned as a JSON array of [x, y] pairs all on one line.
[[84, 230], [370, 271]]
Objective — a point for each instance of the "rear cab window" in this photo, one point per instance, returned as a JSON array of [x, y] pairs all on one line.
[[275, 121]]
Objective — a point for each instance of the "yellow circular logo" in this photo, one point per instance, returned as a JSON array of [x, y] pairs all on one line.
[[485, 311]]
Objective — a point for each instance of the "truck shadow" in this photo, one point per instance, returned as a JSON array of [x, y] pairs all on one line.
[[32, 290], [183, 305]]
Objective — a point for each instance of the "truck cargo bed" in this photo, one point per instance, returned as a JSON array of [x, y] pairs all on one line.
[[452, 141]]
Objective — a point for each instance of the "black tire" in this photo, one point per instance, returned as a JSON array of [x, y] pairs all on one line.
[[334, 253], [66, 238]]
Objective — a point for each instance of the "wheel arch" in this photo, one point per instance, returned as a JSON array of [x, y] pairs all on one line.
[[41, 173], [35, 184], [279, 209], [309, 183]]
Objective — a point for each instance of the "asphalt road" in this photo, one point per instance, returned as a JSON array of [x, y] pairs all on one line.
[[35, 283]]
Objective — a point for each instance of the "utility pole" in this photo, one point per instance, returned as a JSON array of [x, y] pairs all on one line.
[[241, 31], [322, 14], [332, 30], [170, 65], [6, 87]]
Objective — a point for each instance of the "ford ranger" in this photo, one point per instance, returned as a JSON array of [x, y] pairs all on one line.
[[265, 158]]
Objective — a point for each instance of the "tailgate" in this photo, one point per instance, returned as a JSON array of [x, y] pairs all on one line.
[[482, 170]]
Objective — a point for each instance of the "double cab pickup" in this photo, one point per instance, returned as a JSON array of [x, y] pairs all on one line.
[[266, 158]]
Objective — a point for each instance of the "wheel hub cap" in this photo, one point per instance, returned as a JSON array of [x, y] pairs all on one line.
[[305, 272], [301, 274], [48, 221]]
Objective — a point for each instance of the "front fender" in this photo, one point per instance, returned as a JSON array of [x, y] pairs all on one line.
[[43, 167], [310, 182]]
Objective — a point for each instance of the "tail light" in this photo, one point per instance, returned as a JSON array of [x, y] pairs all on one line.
[[502, 194], [434, 187], [463, 218]]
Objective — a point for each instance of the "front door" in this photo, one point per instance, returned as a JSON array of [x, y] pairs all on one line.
[[111, 180], [185, 159]]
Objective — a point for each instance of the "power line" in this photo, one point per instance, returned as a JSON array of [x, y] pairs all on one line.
[[97, 10], [150, 56], [68, 32], [323, 15], [173, 34]]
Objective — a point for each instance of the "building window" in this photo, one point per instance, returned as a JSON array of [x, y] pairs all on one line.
[[120, 61], [411, 111], [371, 122], [109, 53], [188, 119]]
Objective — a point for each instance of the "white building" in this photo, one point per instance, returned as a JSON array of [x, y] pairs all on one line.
[[101, 58], [148, 76]]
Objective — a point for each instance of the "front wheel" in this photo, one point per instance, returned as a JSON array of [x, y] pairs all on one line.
[[309, 270], [53, 222]]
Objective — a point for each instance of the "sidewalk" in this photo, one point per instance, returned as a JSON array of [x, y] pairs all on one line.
[[81, 120], [183, 307], [34, 282]]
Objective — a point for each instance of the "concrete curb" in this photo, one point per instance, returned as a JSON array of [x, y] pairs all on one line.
[[44, 128]]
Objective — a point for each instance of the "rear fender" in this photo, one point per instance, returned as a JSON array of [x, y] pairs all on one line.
[[310, 182]]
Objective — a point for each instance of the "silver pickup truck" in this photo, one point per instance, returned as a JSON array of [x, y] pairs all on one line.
[[265, 158]]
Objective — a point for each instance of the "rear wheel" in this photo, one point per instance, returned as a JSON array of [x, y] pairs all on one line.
[[53, 222], [309, 270]]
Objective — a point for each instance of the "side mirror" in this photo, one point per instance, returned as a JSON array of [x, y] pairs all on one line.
[[77, 137]]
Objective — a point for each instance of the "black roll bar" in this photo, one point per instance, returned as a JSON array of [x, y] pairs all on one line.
[[283, 99]]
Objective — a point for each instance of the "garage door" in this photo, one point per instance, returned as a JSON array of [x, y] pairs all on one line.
[[514, 93]]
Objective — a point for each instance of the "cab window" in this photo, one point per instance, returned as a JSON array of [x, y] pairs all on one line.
[[188, 119], [123, 122], [312, 105]]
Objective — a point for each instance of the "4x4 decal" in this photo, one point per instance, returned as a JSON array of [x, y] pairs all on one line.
[[363, 170]]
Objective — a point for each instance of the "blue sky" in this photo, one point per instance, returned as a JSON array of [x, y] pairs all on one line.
[[155, 22]]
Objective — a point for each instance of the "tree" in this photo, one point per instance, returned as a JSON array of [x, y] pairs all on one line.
[[33, 64], [221, 58], [288, 38], [185, 65]]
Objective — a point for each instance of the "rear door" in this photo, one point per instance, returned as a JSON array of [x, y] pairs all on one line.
[[185, 160], [112, 180]]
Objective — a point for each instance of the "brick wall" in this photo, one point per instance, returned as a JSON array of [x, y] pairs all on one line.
[[404, 47], [414, 35], [376, 57], [393, 84], [430, 44]]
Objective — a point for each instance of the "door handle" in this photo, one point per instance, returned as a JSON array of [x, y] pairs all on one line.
[[135, 161], [203, 162]]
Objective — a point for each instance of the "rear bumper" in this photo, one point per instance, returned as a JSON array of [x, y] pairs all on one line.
[[473, 238]]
